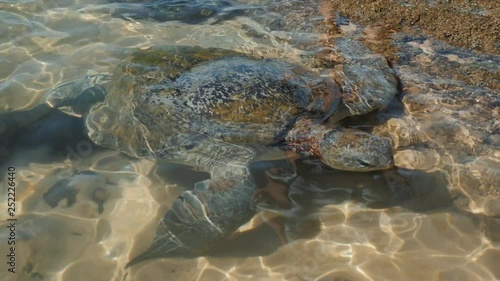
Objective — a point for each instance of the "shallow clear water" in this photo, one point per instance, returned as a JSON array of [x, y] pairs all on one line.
[[436, 217]]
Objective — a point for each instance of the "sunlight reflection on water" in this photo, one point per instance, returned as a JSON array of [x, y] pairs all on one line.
[[436, 218]]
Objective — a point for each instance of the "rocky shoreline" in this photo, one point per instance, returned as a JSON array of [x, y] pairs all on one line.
[[473, 24]]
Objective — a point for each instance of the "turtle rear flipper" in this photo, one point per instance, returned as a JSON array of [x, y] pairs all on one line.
[[214, 208], [201, 217]]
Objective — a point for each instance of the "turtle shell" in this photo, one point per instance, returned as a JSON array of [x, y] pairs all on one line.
[[163, 100]]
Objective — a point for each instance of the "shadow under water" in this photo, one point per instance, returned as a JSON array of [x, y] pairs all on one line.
[[291, 211]]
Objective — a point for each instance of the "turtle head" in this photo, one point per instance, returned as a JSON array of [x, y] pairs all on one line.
[[354, 150]]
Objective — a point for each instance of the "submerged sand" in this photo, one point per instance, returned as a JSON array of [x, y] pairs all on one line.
[[436, 217]]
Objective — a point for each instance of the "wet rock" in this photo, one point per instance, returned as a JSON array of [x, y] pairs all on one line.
[[402, 132], [493, 139], [424, 159], [451, 112], [480, 180]]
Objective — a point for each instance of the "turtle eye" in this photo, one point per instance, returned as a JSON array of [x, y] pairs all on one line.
[[363, 163]]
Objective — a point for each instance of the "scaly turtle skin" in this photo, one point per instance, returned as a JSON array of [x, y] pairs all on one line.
[[210, 108]]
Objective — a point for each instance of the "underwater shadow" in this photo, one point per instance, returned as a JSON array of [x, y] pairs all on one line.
[[293, 208]]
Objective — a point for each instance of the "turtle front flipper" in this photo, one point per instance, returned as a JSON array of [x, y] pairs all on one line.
[[76, 98], [201, 217], [44, 124], [367, 81]]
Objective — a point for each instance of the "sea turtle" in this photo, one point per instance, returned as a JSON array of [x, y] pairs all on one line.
[[210, 108]]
